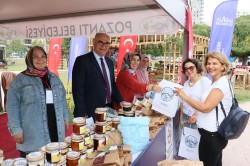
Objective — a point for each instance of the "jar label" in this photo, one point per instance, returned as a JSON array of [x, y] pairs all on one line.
[[81, 146], [101, 142], [104, 116], [82, 129], [55, 156], [104, 129], [87, 140]]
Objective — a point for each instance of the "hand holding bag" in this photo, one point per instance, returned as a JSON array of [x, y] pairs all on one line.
[[235, 122]]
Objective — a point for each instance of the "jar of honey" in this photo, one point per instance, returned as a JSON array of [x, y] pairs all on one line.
[[100, 127], [35, 158], [99, 141], [101, 114], [83, 155], [115, 123], [72, 158], [64, 148], [129, 114], [77, 142], [53, 152], [120, 112], [79, 125]]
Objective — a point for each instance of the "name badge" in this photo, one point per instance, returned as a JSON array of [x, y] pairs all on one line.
[[49, 96]]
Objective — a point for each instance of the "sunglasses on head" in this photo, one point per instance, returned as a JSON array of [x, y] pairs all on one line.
[[191, 68]]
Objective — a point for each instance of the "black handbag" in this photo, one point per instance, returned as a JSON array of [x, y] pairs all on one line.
[[234, 123]]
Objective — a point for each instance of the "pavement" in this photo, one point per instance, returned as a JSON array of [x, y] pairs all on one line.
[[237, 152]]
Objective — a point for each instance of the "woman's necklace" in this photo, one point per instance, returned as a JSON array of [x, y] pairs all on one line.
[[190, 83]]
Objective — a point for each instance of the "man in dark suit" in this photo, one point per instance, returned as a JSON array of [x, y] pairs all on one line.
[[93, 81]]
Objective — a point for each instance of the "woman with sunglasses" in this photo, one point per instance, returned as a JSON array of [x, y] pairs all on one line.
[[193, 87], [127, 82], [211, 143]]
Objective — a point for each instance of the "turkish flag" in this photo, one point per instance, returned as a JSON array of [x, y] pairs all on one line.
[[55, 54], [127, 44]]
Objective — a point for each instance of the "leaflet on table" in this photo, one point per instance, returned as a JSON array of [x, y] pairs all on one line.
[[166, 102]]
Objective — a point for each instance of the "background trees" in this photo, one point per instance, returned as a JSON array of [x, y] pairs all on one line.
[[241, 40]]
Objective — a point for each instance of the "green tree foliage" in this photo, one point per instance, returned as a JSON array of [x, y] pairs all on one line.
[[241, 40], [202, 29], [16, 46], [37, 43], [66, 47]]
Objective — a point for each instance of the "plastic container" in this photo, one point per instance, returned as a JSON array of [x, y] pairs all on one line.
[[79, 125], [35, 158], [77, 142], [101, 114], [72, 158], [53, 152]]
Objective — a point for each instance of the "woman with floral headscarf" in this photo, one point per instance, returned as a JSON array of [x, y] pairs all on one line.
[[142, 73], [127, 82], [36, 105]]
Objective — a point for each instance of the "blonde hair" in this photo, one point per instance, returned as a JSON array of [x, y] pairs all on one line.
[[221, 57]]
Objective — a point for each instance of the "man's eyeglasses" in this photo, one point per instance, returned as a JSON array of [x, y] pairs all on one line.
[[101, 43], [191, 68]]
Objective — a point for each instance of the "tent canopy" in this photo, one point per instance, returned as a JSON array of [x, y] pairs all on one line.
[[64, 18]]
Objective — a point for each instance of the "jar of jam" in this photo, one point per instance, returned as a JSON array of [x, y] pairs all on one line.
[[126, 106], [115, 122], [101, 114], [99, 141], [64, 148], [100, 127], [35, 158], [53, 152], [72, 158], [77, 142], [43, 150], [109, 124], [79, 125]]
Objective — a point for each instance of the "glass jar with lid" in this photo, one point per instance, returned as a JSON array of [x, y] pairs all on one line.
[[72, 158], [101, 114], [53, 152], [77, 142], [62, 162], [68, 140], [126, 106], [109, 124], [83, 155], [99, 141], [35, 158], [64, 148], [100, 127], [79, 125], [115, 123]]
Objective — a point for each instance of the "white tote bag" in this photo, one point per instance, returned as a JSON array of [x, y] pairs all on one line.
[[189, 145]]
